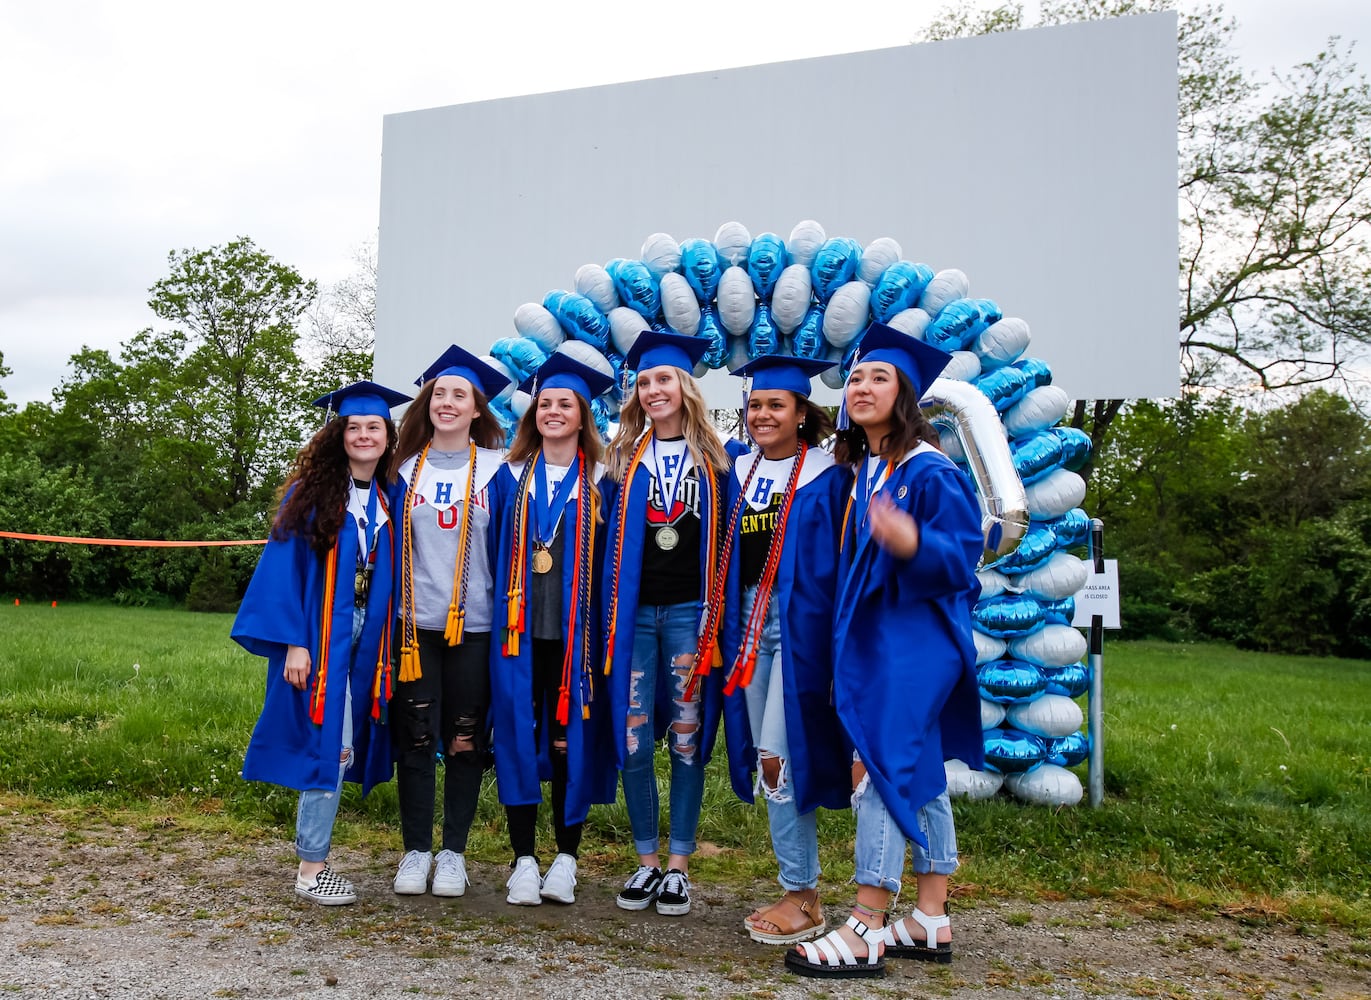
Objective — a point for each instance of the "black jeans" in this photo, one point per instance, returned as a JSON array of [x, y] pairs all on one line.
[[449, 701], [547, 680]]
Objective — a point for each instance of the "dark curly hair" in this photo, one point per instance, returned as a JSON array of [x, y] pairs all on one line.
[[314, 498], [908, 427]]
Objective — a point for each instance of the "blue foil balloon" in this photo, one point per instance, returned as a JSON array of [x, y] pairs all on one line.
[[1038, 545], [808, 341], [578, 317], [638, 287], [1004, 387], [899, 289], [700, 265], [1072, 680], [713, 331], [835, 264], [765, 262], [1036, 456], [599, 411], [1037, 370], [1069, 750], [957, 326], [763, 337], [1059, 611], [616, 361], [1075, 446], [1013, 750], [1010, 682], [520, 355], [990, 313], [1072, 528], [1008, 616]]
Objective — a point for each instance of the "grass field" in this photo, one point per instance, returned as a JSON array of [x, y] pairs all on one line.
[[1235, 782]]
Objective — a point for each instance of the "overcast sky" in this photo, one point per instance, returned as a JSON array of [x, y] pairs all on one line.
[[131, 128]]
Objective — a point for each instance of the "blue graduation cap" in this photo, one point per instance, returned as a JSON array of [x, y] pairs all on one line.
[[920, 362], [362, 399], [561, 371], [778, 371], [654, 348], [456, 361]]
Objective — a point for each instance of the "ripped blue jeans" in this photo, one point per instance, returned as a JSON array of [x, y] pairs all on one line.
[[794, 835], [664, 638]]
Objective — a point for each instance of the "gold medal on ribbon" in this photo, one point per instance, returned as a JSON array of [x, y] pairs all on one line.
[[542, 559], [667, 538]]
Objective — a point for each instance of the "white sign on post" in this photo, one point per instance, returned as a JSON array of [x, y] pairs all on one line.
[[1099, 596]]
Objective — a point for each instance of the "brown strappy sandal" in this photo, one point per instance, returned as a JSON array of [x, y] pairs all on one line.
[[794, 921]]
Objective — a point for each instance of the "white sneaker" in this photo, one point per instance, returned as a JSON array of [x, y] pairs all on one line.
[[412, 878], [450, 874], [524, 884], [559, 884]]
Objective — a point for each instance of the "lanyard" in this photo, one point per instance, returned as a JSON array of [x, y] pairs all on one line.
[[863, 490], [548, 509], [368, 521], [668, 502]]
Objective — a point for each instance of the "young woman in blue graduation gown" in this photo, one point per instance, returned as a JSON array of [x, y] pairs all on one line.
[[319, 608], [444, 462], [904, 670], [785, 499], [666, 465], [549, 709]]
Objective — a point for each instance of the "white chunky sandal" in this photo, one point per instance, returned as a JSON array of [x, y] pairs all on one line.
[[830, 956], [898, 943]]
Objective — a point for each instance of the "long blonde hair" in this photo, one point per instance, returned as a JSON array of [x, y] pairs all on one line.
[[702, 439]]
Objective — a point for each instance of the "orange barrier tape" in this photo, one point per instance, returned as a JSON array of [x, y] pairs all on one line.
[[150, 543]]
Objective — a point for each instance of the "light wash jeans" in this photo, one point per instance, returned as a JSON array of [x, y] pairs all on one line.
[[794, 835], [880, 846], [664, 639], [318, 808]]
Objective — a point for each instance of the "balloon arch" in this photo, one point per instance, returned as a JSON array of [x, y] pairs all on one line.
[[996, 410]]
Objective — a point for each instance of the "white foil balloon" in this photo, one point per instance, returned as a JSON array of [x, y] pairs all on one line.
[[737, 301], [680, 307], [946, 286], [733, 242], [964, 782], [1053, 715], [1052, 646], [846, 315], [1002, 342], [1061, 576], [791, 297], [987, 647], [625, 324], [1039, 409], [1046, 785], [964, 367], [914, 322], [1056, 493], [805, 240], [594, 282], [661, 254], [879, 254]]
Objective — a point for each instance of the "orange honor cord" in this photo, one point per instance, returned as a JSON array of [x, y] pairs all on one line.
[[746, 662], [515, 595], [457, 607], [707, 655], [410, 669], [621, 515], [316, 697]]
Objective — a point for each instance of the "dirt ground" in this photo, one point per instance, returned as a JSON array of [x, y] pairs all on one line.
[[122, 912]]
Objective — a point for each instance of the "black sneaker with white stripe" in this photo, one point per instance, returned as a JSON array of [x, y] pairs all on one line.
[[674, 898], [640, 891], [328, 889]]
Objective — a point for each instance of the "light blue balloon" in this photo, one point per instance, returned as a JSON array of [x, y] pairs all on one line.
[[520, 355], [899, 289], [835, 264], [712, 329], [1036, 456], [1059, 611], [599, 411], [578, 316], [1037, 370], [957, 326], [701, 267], [1072, 680], [808, 341], [1037, 546], [765, 262], [1075, 447], [1068, 750], [1008, 616], [1010, 682], [1011, 751], [763, 337], [1004, 387], [1072, 528], [638, 287]]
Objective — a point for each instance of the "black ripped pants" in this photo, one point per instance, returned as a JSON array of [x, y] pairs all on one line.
[[450, 701]]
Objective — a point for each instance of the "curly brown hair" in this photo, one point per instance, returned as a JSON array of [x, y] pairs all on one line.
[[908, 427], [314, 498], [416, 427]]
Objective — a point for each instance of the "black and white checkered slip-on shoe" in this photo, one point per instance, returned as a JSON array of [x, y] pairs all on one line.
[[328, 889]]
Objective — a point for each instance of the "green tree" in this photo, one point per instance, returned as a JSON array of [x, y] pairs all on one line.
[[1274, 191], [340, 340]]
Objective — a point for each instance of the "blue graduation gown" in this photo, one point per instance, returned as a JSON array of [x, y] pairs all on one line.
[[905, 664], [806, 580], [520, 765], [630, 579], [283, 607]]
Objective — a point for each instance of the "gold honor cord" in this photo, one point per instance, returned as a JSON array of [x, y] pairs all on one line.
[[457, 607]]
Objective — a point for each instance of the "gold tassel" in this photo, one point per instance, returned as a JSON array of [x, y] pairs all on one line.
[[409, 664], [456, 620]]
